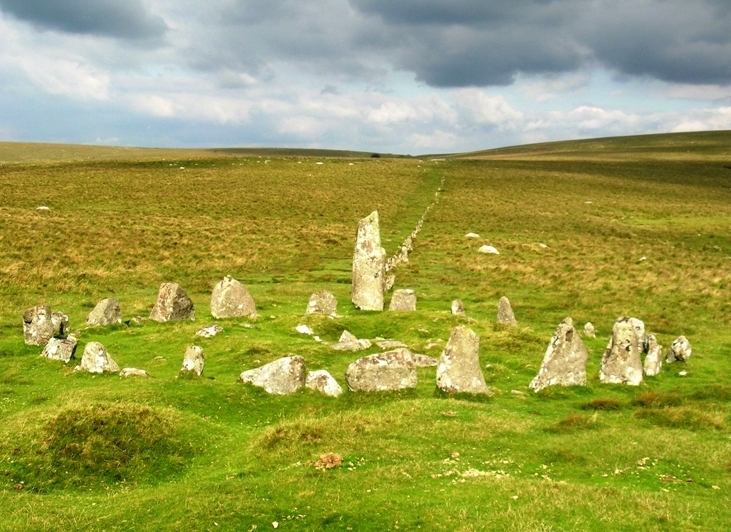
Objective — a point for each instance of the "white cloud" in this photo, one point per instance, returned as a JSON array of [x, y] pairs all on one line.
[[480, 108]]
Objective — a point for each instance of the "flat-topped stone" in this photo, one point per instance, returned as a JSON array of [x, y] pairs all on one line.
[[60, 348], [193, 360], [389, 371]]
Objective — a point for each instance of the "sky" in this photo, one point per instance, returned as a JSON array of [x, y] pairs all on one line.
[[397, 76]]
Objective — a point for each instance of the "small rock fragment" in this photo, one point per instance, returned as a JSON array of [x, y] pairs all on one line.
[[133, 372], [209, 331], [457, 308], [488, 249], [589, 330]]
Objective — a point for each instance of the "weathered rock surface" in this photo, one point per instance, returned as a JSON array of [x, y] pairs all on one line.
[[321, 381], [349, 342], [622, 361], [60, 323], [490, 250], [231, 299], [459, 366], [389, 344], [589, 330], [209, 331], [505, 314], [653, 360], [369, 262], [106, 312], [424, 361], [193, 360], [60, 348], [403, 300], [172, 304], [564, 363], [322, 302], [38, 326], [133, 372], [281, 377], [458, 308], [392, 370], [97, 360], [680, 350]]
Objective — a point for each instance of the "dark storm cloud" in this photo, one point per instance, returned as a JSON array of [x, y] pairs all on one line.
[[126, 19]]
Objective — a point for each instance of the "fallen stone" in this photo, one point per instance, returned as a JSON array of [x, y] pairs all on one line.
[[424, 361], [193, 360], [653, 360], [589, 330], [172, 304], [231, 299], [457, 308], [622, 362], [322, 302], [392, 370], [369, 262], [489, 250], [564, 363], [96, 360], [389, 344], [505, 314], [459, 366], [60, 348], [472, 235], [133, 372], [348, 342], [680, 350], [403, 300], [209, 331], [38, 326], [304, 329], [281, 377], [106, 312], [321, 381]]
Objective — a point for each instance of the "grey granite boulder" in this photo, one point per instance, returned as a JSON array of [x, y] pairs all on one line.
[[680, 350], [172, 304], [322, 302], [564, 363], [96, 360], [60, 348], [622, 361], [459, 366], [403, 300], [281, 377], [106, 312], [231, 299], [653, 359], [321, 381], [505, 314], [193, 360], [369, 265], [392, 370]]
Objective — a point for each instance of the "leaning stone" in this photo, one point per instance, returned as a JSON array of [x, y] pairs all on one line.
[[392, 370], [60, 348], [564, 363], [209, 332], [457, 308], [680, 350], [322, 302], [369, 262], [281, 377], [505, 314], [321, 381], [231, 299], [424, 361], [404, 300], [106, 312], [459, 366], [133, 372], [97, 360], [589, 330], [622, 362], [653, 360], [172, 304], [348, 342], [38, 326], [193, 360]]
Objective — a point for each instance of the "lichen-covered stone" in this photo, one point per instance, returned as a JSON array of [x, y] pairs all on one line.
[[459, 366], [424, 361], [96, 359], [589, 330], [193, 360], [282, 377], [392, 370], [680, 350], [403, 300], [505, 314], [564, 363], [106, 312], [458, 308], [322, 302], [369, 265], [653, 360], [622, 361], [231, 299], [209, 331], [321, 381], [60, 348], [172, 304], [38, 326]]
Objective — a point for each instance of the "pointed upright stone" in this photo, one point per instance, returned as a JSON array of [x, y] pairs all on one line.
[[622, 361], [369, 263], [231, 299], [459, 366], [653, 360], [564, 363], [96, 359], [505, 314], [172, 304], [106, 312]]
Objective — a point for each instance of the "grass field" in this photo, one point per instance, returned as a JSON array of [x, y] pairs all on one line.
[[594, 230]]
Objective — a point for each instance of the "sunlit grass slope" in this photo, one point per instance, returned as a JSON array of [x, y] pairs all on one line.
[[593, 229]]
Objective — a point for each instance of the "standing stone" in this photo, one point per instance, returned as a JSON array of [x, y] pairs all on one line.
[[459, 366], [321, 381], [404, 299], [38, 326], [589, 330], [231, 299], [97, 360], [392, 370], [193, 360], [680, 350], [106, 312], [653, 360], [564, 363], [622, 362], [281, 377], [505, 314], [457, 308], [60, 348], [172, 304], [369, 262], [60, 323], [322, 302], [209, 331]]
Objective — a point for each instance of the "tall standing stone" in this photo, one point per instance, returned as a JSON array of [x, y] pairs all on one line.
[[60, 348], [459, 366], [369, 262], [564, 363], [322, 302], [231, 299], [106, 312], [404, 299], [505, 314], [172, 304], [622, 361], [653, 360]]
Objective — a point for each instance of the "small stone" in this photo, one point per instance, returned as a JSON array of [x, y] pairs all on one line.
[[589, 330], [133, 372], [60, 348], [209, 331], [96, 359], [680, 350], [392, 370], [489, 250], [505, 314], [172, 304], [653, 360], [106, 312], [459, 366], [43, 208], [683, 373], [282, 377], [472, 235], [564, 363], [622, 362], [193, 360], [322, 302], [304, 329], [231, 299], [348, 342], [403, 300], [321, 381], [457, 308]]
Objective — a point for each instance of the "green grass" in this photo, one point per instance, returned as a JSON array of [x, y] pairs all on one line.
[[633, 226]]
